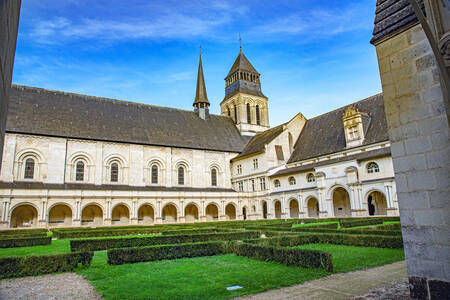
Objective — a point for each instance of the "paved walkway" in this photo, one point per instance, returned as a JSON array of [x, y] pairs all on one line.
[[339, 286]]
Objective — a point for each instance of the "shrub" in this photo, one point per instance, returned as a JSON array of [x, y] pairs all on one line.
[[324, 225], [351, 231], [159, 252], [362, 222], [22, 236], [288, 256], [101, 232], [104, 244], [43, 264], [25, 242], [393, 226], [338, 239], [22, 231]]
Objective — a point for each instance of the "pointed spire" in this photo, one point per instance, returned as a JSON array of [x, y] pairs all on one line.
[[200, 94]]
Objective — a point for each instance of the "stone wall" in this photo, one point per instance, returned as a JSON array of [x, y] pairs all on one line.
[[9, 22], [419, 133]]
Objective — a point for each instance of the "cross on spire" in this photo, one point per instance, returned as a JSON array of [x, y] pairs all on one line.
[[240, 42]]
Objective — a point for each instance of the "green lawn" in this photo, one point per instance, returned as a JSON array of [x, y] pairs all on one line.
[[350, 258], [57, 246], [191, 278]]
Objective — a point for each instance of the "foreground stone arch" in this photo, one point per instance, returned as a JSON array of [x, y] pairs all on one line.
[[376, 204], [212, 212], [146, 214], [244, 212], [277, 207], [230, 211], [170, 213], [264, 209], [191, 213], [341, 203], [92, 215], [24, 215], [60, 215], [293, 209], [120, 215], [313, 207]]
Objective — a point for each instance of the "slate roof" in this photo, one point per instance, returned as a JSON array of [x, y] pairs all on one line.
[[324, 134], [52, 113], [359, 157], [257, 143], [243, 64], [200, 92], [392, 15]]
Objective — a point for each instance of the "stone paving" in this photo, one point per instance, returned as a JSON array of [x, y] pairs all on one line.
[[341, 286]]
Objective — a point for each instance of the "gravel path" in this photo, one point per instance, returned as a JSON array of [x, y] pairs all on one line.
[[397, 290], [64, 286]]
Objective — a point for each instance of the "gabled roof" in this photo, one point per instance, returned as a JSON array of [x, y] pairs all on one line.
[[257, 143], [200, 92], [243, 64], [52, 113], [324, 134], [393, 15]]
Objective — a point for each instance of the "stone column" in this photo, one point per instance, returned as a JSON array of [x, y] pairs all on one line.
[[107, 215], [42, 220], [223, 216], [133, 212], [5, 212], [76, 217], [159, 208], [182, 217], [203, 212]]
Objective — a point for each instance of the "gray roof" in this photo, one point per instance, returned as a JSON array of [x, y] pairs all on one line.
[[200, 92], [359, 157], [324, 134], [257, 143], [391, 16], [242, 64], [52, 113]]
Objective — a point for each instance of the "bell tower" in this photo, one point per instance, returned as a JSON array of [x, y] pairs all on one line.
[[244, 101]]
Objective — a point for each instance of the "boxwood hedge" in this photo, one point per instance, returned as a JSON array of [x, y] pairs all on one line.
[[24, 242], [104, 244], [159, 252], [36, 265], [362, 222], [350, 231]]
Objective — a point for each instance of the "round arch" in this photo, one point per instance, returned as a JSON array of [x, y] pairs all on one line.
[[376, 203], [230, 211], [277, 206], [313, 207], [341, 202], [244, 212], [191, 212], [146, 214], [293, 208], [170, 213], [80, 155], [212, 211], [24, 215], [264, 209], [92, 214], [60, 214], [120, 214]]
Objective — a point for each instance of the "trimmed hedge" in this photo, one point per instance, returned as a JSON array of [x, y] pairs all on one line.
[[196, 231], [25, 242], [22, 231], [375, 241], [104, 244], [393, 226], [351, 231], [22, 236], [44, 264], [159, 252], [363, 222], [287, 256], [100, 233], [326, 225]]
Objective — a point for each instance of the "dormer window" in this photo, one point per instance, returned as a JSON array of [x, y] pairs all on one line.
[[353, 126], [239, 169], [255, 163], [373, 167], [277, 183], [353, 133], [291, 180], [310, 177]]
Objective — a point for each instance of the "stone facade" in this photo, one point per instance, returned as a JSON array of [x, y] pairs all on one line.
[[419, 132]]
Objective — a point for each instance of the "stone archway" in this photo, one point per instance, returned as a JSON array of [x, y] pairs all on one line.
[[264, 209], [230, 211], [293, 209], [376, 204], [313, 208], [341, 203], [244, 213], [60, 215], [277, 206], [146, 214], [212, 212], [120, 215], [191, 213], [92, 214], [24, 215], [169, 213]]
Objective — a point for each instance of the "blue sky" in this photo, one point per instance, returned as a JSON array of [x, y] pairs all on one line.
[[313, 55]]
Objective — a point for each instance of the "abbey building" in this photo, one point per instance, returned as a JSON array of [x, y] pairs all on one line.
[[76, 160]]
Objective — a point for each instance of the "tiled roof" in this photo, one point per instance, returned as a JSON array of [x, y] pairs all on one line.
[[243, 64], [52, 113]]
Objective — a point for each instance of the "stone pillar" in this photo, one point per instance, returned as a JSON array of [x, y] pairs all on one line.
[[418, 122], [133, 212], [203, 212], [107, 215], [76, 217], [159, 208], [42, 218], [6, 202], [222, 214], [182, 217]]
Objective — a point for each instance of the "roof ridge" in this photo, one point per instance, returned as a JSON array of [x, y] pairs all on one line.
[[105, 99]]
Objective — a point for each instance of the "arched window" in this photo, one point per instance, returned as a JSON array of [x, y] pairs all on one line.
[[310, 177], [79, 171], [249, 117], [154, 174], [235, 114], [258, 118], [114, 172], [277, 183], [213, 177], [292, 180], [29, 169], [228, 111], [372, 167], [180, 175]]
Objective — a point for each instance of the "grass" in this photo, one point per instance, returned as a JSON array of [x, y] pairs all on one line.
[[314, 224], [192, 278], [350, 258]]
